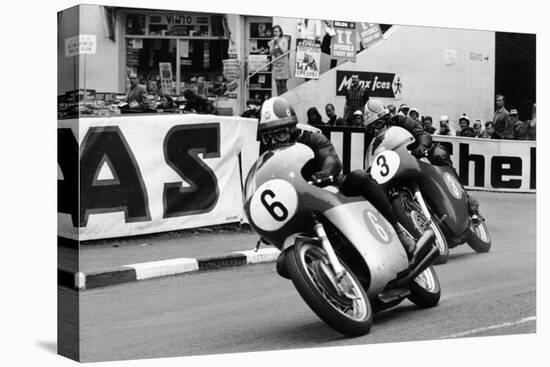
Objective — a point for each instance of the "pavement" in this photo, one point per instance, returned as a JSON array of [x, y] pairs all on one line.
[[109, 262]]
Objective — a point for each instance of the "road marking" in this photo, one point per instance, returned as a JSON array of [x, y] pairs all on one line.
[[492, 327], [261, 256], [161, 268]]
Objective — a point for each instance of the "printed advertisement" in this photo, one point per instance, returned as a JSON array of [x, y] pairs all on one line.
[[369, 33], [133, 175], [385, 85], [308, 58], [344, 41]]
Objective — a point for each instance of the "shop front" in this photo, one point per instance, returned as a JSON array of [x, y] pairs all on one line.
[[189, 48]]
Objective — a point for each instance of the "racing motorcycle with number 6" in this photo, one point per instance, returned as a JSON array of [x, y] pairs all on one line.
[[425, 196], [343, 257]]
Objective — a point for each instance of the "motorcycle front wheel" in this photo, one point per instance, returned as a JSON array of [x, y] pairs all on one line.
[[478, 237], [348, 310], [425, 289], [410, 215]]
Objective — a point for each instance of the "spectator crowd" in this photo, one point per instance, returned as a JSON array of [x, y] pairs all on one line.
[[504, 124]]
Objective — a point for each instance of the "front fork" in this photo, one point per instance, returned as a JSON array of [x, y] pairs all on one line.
[[338, 269], [420, 200]]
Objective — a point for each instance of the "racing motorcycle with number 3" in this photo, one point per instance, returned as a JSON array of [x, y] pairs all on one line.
[[425, 196], [342, 255]]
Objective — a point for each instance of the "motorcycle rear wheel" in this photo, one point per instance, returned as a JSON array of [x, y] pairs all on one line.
[[425, 289], [313, 277], [411, 217], [478, 237]]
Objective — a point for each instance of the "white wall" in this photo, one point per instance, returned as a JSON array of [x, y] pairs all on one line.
[[67, 67], [102, 69], [416, 54]]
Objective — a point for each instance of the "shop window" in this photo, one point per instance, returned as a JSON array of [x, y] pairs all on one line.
[[143, 58], [201, 65]]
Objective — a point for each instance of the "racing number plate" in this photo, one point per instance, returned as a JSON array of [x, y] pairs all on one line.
[[385, 166], [273, 204]]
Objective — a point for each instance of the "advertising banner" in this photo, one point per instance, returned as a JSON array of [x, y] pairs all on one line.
[[482, 164], [369, 33], [308, 58], [344, 41], [151, 173], [385, 85]]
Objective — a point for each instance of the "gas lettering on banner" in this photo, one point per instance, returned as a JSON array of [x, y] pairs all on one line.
[[147, 174]]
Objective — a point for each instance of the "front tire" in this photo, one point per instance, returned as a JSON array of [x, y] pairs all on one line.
[[425, 289], [314, 279], [478, 237], [410, 215]]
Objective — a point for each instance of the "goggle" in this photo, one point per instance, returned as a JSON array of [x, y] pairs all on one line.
[[278, 136]]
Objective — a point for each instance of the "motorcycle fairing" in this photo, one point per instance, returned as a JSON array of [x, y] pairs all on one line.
[[439, 195], [435, 186], [284, 165], [385, 258]]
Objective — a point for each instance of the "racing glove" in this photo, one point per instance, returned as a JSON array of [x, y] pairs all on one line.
[[321, 178]]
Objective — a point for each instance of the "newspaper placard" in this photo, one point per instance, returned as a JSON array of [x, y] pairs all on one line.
[[308, 58], [369, 33], [344, 41], [165, 69]]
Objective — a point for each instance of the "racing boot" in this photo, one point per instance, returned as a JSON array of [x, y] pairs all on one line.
[[406, 239], [473, 209]]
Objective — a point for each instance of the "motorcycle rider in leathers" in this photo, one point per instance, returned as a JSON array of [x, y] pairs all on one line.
[[278, 125], [377, 117]]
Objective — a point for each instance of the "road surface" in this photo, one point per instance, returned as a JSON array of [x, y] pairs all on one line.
[[252, 309]]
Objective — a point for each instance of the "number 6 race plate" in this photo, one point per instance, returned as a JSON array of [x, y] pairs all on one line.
[[273, 204], [385, 166]]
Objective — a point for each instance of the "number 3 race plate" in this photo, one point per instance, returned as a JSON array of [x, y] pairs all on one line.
[[273, 205], [385, 166]]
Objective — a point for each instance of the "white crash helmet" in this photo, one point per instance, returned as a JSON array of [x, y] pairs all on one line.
[[276, 113], [374, 110]]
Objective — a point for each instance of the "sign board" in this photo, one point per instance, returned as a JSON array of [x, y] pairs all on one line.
[[308, 58], [255, 62], [82, 44], [385, 85], [344, 40], [369, 33], [165, 69]]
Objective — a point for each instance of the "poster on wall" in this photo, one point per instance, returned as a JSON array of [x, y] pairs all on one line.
[[344, 40], [308, 58], [165, 69], [256, 62], [385, 85], [369, 33]]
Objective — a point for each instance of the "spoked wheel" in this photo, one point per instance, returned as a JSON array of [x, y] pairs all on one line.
[[410, 215], [343, 304], [478, 237], [425, 289]]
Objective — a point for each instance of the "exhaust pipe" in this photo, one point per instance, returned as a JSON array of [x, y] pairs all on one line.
[[422, 246]]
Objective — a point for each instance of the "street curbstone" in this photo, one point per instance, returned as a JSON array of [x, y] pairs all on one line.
[[154, 269]]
